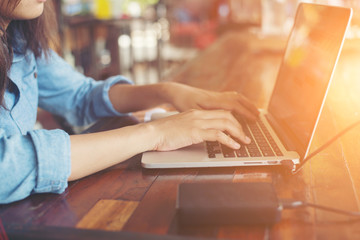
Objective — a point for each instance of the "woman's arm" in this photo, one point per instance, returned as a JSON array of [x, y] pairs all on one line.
[[65, 92], [37, 162], [93, 152], [128, 98]]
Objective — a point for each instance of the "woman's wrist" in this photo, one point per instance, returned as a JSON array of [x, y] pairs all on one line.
[[169, 91], [148, 135]]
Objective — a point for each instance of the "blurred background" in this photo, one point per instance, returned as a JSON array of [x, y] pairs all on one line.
[[148, 40]]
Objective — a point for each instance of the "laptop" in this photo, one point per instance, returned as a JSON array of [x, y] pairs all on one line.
[[285, 129]]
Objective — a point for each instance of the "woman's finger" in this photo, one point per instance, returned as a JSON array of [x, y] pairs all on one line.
[[225, 125], [221, 137]]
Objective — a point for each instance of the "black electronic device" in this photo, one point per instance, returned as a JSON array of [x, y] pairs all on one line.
[[227, 203]]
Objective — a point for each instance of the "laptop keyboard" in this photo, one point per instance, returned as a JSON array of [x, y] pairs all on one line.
[[262, 143]]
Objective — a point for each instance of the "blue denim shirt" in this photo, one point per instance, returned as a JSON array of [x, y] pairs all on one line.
[[38, 161]]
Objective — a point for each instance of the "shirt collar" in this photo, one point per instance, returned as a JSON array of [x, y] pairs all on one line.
[[18, 57]]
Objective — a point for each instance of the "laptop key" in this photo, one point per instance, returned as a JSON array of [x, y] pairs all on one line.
[[212, 143], [213, 149], [227, 152], [268, 154], [241, 152], [211, 155], [255, 154]]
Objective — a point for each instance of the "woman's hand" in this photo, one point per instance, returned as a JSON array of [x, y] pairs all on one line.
[[196, 126], [130, 98], [93, 152], [184, 97]]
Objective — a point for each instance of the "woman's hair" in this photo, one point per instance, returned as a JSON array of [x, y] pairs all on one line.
[[38, 34]]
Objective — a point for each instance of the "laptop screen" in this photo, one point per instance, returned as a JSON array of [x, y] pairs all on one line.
[[307, 67]]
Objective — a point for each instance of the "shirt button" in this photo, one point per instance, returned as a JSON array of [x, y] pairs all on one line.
[[35, 74]]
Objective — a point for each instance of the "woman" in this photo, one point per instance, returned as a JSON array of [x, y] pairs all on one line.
[[32, 76]]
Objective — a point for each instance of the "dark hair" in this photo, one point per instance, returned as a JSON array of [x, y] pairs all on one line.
[[37, 33]]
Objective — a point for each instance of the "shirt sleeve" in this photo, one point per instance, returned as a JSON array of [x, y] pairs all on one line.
[[41, 164], [68, 93]]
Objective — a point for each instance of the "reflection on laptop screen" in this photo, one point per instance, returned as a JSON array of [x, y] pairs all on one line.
[[306, 69]]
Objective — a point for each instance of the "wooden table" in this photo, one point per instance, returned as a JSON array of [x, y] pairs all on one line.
[[127, 201]]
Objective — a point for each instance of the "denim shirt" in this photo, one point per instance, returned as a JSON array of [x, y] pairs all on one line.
[[38, 161]]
